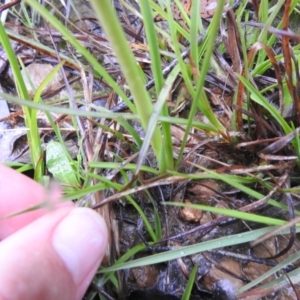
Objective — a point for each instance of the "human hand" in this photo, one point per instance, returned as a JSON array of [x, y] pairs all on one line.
[[46, 253]]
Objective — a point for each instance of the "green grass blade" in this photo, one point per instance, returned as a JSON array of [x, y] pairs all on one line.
[[153, 45], [188, 289], [195, 31], [196, 248], [199, 97], [33, 133], [167, 152], [100, 71], [280, 283], [114, 165], [258, 98], [102, 113], [282, 264], [232, 213], [112, 27], [154, 120]]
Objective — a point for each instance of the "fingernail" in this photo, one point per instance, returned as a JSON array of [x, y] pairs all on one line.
[[80, 240]]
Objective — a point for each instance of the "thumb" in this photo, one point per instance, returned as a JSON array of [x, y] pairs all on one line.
[[54, 257]]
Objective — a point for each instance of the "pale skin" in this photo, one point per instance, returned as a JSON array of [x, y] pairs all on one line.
[[51, 253]]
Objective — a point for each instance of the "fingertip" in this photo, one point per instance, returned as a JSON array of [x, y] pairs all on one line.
[[18, 193], [16, 189], [62, 249], [80, 241], [29, 266]]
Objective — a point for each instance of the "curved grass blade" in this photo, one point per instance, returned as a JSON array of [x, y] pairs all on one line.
[[258, 98], [100, 71]]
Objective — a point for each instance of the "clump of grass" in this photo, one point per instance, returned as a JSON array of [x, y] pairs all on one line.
[[252, 118]]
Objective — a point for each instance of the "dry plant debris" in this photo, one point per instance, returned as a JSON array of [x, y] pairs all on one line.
[[259, 143]]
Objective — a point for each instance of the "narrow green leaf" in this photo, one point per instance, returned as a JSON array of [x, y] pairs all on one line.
[[232, 213], [283, 264], [188, 289], [258, 98], [196, 248]]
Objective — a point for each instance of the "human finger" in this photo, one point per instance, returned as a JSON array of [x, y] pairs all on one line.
[[18, 193], [54, 257]]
